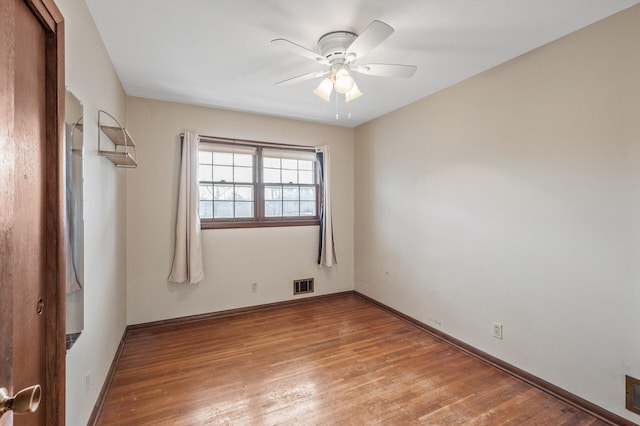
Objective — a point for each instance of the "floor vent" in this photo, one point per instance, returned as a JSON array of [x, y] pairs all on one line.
[[633, 395], [303, 286]]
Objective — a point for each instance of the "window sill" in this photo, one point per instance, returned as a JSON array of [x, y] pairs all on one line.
[[209, 224]]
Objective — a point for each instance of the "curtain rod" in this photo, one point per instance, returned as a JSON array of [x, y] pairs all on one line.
[[254, 143]]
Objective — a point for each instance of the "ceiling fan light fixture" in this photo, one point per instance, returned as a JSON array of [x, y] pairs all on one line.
[[353, 93], [339, 50], [343, 81], [324, 89]]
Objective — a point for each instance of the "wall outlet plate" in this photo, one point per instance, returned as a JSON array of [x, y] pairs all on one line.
[[87, 382], [497, 330]]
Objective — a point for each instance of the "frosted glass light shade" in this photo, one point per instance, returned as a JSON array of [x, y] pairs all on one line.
[[343, 81], [324, 89], [353, 93]]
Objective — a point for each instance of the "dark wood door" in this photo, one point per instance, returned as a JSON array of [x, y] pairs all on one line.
[[31, 300]]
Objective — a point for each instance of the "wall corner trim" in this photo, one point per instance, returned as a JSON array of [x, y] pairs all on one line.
[[549, 388], [102, 396]]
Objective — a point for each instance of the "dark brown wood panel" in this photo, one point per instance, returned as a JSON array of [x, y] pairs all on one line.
[[31, 200], [338, 360], [7, 190], [28, 244]]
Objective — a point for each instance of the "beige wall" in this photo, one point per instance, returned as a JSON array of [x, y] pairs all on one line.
[[91, 77], [234, 258], [514, 197]]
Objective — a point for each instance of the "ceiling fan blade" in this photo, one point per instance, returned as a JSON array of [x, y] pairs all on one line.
[[372, 36], [303, 51], [303, 77], [386, 70]]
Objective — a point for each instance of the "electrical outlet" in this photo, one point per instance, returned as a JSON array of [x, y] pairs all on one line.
[[254, 287], [88, 382], [497, 330]]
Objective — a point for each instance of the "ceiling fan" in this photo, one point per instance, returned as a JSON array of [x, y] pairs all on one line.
[[340, 50]]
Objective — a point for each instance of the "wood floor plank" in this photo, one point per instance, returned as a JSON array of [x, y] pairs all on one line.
[[331, 361]]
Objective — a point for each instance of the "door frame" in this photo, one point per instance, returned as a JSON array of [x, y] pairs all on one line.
[[54, 263]]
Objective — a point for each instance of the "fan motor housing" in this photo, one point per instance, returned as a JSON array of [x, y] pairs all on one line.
[[334, 45]]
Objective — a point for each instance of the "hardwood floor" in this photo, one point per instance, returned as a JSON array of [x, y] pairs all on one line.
[[340, 361]]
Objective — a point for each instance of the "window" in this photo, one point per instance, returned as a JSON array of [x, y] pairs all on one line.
[[245, 185]]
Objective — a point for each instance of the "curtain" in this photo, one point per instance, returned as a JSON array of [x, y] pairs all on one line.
[[187, 258], [326, 248]]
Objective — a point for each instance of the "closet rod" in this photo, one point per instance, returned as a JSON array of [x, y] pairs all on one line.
[[204, 138]]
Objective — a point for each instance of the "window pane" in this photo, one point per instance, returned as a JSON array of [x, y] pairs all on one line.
[[272, 175], [223, 158], [205, 157], [205, 173], [305, 165], [271, 162], [244, 193], [206, 209], [307, 208], [222, 173], [243, 160], [289, 164], [307, 193], [273, 193], [291, 208], [306, 176], [223, 209], [244, 209], [242, 174], [206, 192], [223, 192], [228, 185], [272, 208], [291, 193], [289, 176]]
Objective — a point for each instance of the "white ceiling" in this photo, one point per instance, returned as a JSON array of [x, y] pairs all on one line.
[[217, 53]]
